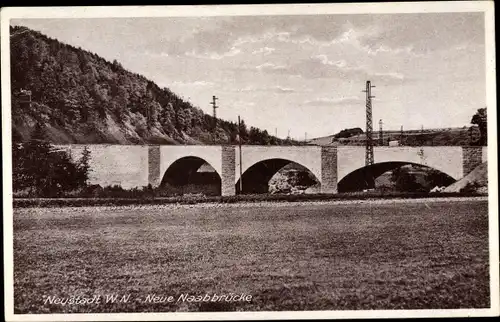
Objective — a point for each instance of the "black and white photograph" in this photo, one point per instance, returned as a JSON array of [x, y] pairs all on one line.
[[250, 161]]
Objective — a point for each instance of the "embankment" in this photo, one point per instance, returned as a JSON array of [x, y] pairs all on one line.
[[371, 196]]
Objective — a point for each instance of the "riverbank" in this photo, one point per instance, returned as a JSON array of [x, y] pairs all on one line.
[[263, 204], [371, 197]]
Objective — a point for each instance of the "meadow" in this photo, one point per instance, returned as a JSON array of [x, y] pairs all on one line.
[[391, 255]]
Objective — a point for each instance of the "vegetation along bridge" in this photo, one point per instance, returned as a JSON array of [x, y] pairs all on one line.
[[133, 166]]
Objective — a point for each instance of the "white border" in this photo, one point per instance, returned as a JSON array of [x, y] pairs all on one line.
[[238, 10]]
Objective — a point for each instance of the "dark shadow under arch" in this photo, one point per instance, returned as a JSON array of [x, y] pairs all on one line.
[[256, 178], [364, 178], [184, 176]]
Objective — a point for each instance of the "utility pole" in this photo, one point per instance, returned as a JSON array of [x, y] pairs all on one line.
[[369, 160], [401, 136], [422, 135], [305, 137], [369, 124], [421, 151], [380, 133], [214, 104], [241, 161]]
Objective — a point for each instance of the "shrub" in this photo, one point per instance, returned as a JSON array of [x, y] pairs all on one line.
[[42, 170], [470, 187]]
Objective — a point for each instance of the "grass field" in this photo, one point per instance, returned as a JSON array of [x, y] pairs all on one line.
[[417, 255]]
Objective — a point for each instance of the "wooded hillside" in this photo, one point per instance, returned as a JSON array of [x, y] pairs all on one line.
[[79, 97]]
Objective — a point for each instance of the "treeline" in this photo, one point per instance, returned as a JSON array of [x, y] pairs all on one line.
[[346, 133], [467, 135], [79, 97]]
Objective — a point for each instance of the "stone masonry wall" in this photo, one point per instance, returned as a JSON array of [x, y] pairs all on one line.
[[154, 175], [329, 169], [228, 157], [113, 164], [472, 157], [485, 154]]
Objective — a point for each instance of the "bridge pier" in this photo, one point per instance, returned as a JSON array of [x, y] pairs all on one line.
[[228, 159], [154, 161], [472, 156], [329, 176]]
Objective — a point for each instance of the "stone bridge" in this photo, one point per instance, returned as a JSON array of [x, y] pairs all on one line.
[[333, 166]]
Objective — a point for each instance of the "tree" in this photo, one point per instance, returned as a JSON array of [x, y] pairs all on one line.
[[181, 120], [480, 119], [266, 139], [254, 135], [243, 132], [30, 161], [405, 180], [82, 175], [346, 133], [44, 170], [116, 65], [436, 178], [166, 116]]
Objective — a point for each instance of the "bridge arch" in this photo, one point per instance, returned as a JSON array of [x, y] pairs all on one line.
[[184, 175], [447, 159], [256, 177], [362, 178]]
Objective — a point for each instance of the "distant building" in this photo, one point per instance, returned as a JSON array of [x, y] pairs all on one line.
[[394, 143]]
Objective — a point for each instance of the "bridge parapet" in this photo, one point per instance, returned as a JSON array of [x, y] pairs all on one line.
[[114, 164]]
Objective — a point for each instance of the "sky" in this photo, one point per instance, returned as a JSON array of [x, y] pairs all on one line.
[[302, 73]]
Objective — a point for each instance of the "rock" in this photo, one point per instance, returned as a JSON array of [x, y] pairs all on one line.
[[476, 179]]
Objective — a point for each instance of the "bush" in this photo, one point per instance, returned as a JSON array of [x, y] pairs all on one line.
[[406, 181], [470, 187], [41, 170]]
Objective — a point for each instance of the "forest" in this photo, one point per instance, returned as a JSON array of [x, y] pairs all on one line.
[[77, 96]]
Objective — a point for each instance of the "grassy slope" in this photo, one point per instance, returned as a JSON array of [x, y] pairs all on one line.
[[316, 257], [478, 176]]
